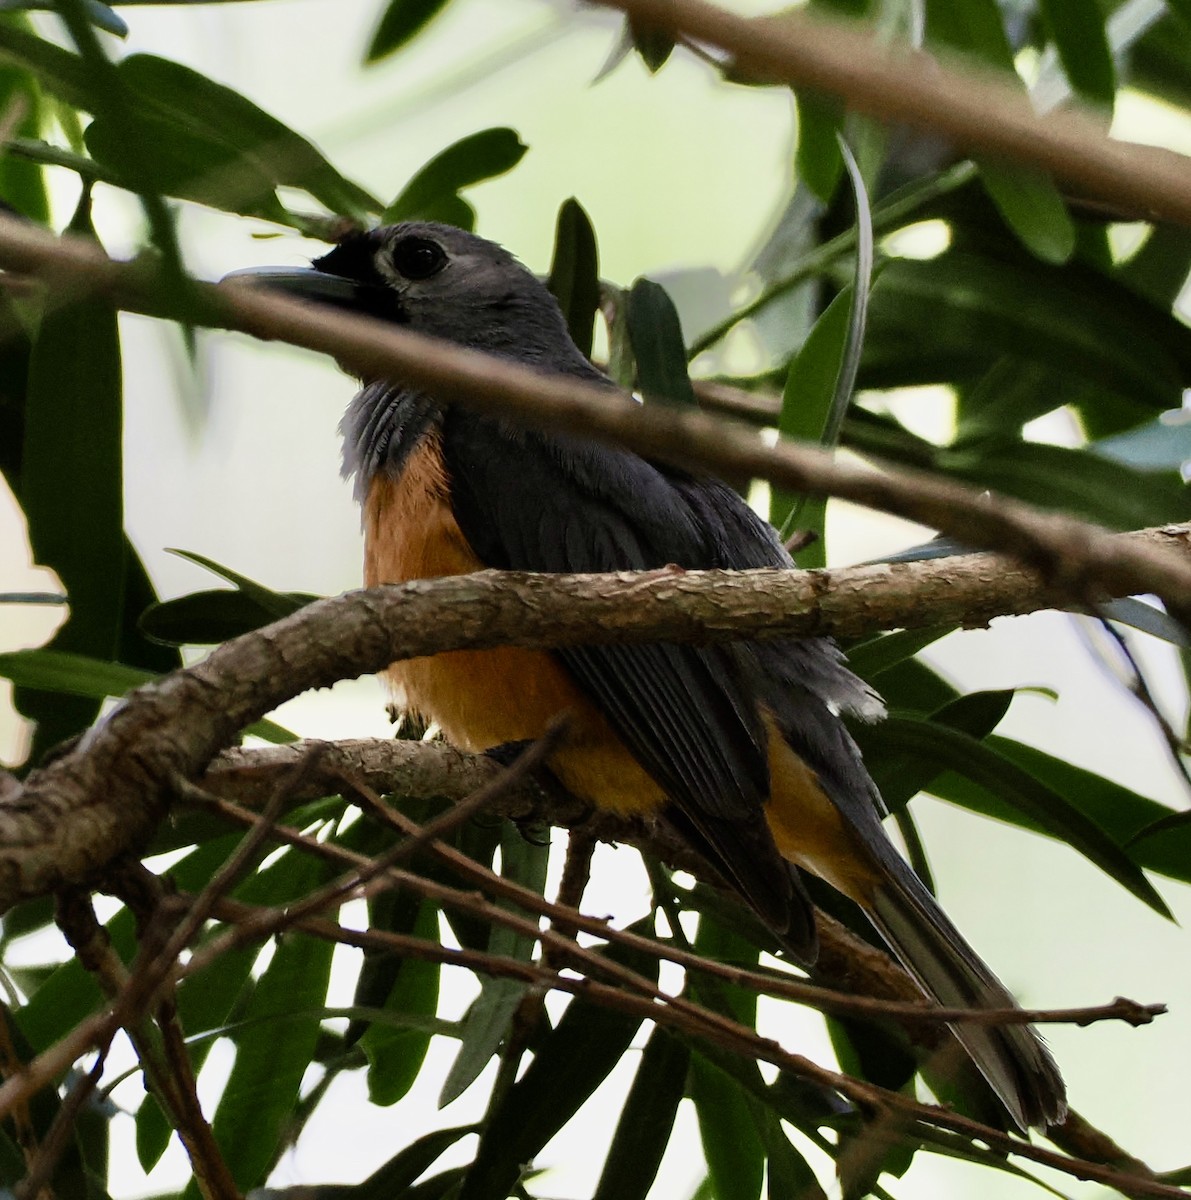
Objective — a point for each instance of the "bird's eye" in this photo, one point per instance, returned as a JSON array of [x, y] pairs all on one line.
[[418, 257]]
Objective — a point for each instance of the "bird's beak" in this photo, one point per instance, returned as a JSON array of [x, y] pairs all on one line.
[[321, 287]]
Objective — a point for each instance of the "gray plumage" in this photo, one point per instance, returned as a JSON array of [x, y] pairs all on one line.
[[692, 716]]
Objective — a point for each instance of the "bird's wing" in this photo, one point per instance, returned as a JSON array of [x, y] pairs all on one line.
[[537, 503]]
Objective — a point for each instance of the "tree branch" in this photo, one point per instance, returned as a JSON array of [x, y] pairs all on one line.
[[106, 796], [981, 111], [1075, 556]]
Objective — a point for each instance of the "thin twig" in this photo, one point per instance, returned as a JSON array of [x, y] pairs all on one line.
[[59, 1135], [733, 1036]]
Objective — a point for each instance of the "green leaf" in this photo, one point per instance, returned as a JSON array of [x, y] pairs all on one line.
[[869, 658], [399, 24], [1082, 43], [912, 686], [975, 26], [574, 272], [732, 1145], [277, 604], [830, 414], [646, 1120], [789, 1174], [1159, 268], [262, 1092], [942, 746], [77, 675], [1029, 202], [490, 1016], [403, 1169], [208, 618], [1119, 811], [22, 183], [806, 405], [195, 102], [818, 162], [71, 674], [953, 316], [1075, 481], [72, 486], [862, 277], [185, 163], [59, 71], [205, 1001], [570, 1062], [395, 1056], [194, 138], [658, 347], [723, 944], [653, 43], [432, 194], [1032, 208]]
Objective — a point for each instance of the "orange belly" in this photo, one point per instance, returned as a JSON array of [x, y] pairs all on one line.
[[485, 698]]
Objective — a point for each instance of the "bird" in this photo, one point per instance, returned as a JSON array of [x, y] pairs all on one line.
[[741, 744]]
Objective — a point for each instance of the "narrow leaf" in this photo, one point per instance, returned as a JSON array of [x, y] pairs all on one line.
[[656, 336], [1119, 811], [574, 272], [1033, 209], [491, 1014], [471, 160], [205, 1001], [646, 1120], [806, 403], [71, 674], [983, 764], [829, 412], [208, 618], [1078, 27], [654, 43], [732, 1146], [72, 486], [395, 1056], [399, 24], [568, 1066], [869, 658], [818, 162], [862, 276], [403, 1169], [278, 604], [261, 1093]]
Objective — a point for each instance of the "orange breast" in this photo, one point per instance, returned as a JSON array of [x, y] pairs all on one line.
[[485, 698]]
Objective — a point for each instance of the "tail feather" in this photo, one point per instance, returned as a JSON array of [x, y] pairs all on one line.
[[1012, 1058]]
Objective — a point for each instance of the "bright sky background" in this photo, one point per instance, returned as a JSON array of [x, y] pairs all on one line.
[[677, 171]]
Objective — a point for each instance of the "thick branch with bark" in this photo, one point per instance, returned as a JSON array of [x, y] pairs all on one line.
[[106, 796]]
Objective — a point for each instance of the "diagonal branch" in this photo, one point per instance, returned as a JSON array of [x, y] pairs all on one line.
[[1077, 557], [981, 111]]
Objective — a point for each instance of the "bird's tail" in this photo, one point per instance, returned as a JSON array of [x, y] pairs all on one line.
[[1013, 1058]]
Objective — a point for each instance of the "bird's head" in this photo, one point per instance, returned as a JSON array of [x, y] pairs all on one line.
[[442, 281]]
